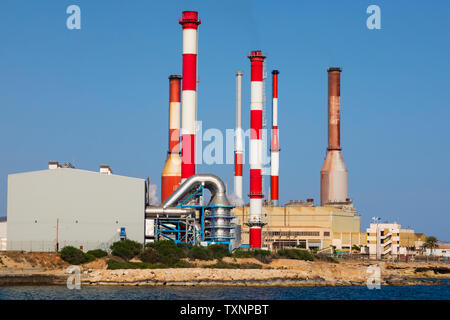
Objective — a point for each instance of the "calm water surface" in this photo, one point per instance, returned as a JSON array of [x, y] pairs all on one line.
[[441, 292]]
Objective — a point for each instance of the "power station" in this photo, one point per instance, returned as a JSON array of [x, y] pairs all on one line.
[[63, 205]]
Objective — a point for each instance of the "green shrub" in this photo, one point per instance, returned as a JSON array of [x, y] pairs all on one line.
[[150, 255], [73, 255], [219, 251], [295, 254], [126, 249], [166, 253], [98, 253], [251, 253], [331, 259], [200, 253], [262, 255], [89, 257]]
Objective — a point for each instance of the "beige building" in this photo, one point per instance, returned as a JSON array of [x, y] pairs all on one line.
[[391, 240], [302, 223]]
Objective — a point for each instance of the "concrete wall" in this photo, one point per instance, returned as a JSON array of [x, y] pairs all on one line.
[[80, 208]]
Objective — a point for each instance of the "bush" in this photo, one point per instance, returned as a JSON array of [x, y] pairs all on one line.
[[167, 253], [295, 254], [150, 255], [219, 251], [200, 253], [98, 253], [126, 249], [73, 255], [262, 255], [89, 258]]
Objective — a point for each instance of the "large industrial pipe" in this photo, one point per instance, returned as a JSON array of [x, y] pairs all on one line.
[[211, 182], [171, 174], [238, 138], [218, 215], [275, 148], [190, 23], [334, 174], [152, 212], [255, 222]]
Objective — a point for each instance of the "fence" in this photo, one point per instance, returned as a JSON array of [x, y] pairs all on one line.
[[50, 246]]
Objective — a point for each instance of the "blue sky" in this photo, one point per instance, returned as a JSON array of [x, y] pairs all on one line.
[[99, 94]]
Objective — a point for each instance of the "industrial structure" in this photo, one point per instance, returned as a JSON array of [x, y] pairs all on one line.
[[3, 233], [171, 174], [190, 23], [255, 221], [275, 148], [301, 224], [334, 176], [238, 139], [62, 205]]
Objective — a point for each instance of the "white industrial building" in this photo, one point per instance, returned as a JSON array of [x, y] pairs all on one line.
[[442, 250], [61, 206], [3, 233]]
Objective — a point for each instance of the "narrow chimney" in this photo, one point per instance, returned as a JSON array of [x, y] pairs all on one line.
[[256, 115], [171, 174], [190, 23], [238, 139], [275, 148], [334, 175]]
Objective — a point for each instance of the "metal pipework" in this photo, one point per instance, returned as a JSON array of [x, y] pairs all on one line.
[[218, 214], [151, 212], [334, 174], [238, 139], [211, 182]]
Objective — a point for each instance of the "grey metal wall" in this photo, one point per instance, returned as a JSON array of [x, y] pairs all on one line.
[[80, 208]]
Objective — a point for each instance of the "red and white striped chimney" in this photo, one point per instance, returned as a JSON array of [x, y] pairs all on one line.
[[171, 174], [275, 149], [190, 23], [256, 115], [238, 138]]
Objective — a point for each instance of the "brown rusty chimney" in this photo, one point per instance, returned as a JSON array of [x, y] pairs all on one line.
[[334, 112], [334, 175]]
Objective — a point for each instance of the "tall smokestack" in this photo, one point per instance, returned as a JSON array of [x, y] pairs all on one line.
[[256, 115], [275, 148], [171, 174], [334, 174], [190, 23], [238, 138]]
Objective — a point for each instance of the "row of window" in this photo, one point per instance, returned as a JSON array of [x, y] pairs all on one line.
[[297, 233]]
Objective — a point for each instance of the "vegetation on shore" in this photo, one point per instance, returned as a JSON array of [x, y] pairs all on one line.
[[130, 254]]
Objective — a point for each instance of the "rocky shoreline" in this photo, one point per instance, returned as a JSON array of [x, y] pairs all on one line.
[[279, 272]]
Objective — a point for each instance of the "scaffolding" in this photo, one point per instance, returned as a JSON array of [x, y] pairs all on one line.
[[211, 223]]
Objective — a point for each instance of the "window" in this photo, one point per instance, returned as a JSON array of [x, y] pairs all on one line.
[[326, 233]]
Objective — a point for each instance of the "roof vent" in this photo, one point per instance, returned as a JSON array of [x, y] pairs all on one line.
[[53, 165], [105, 169]]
